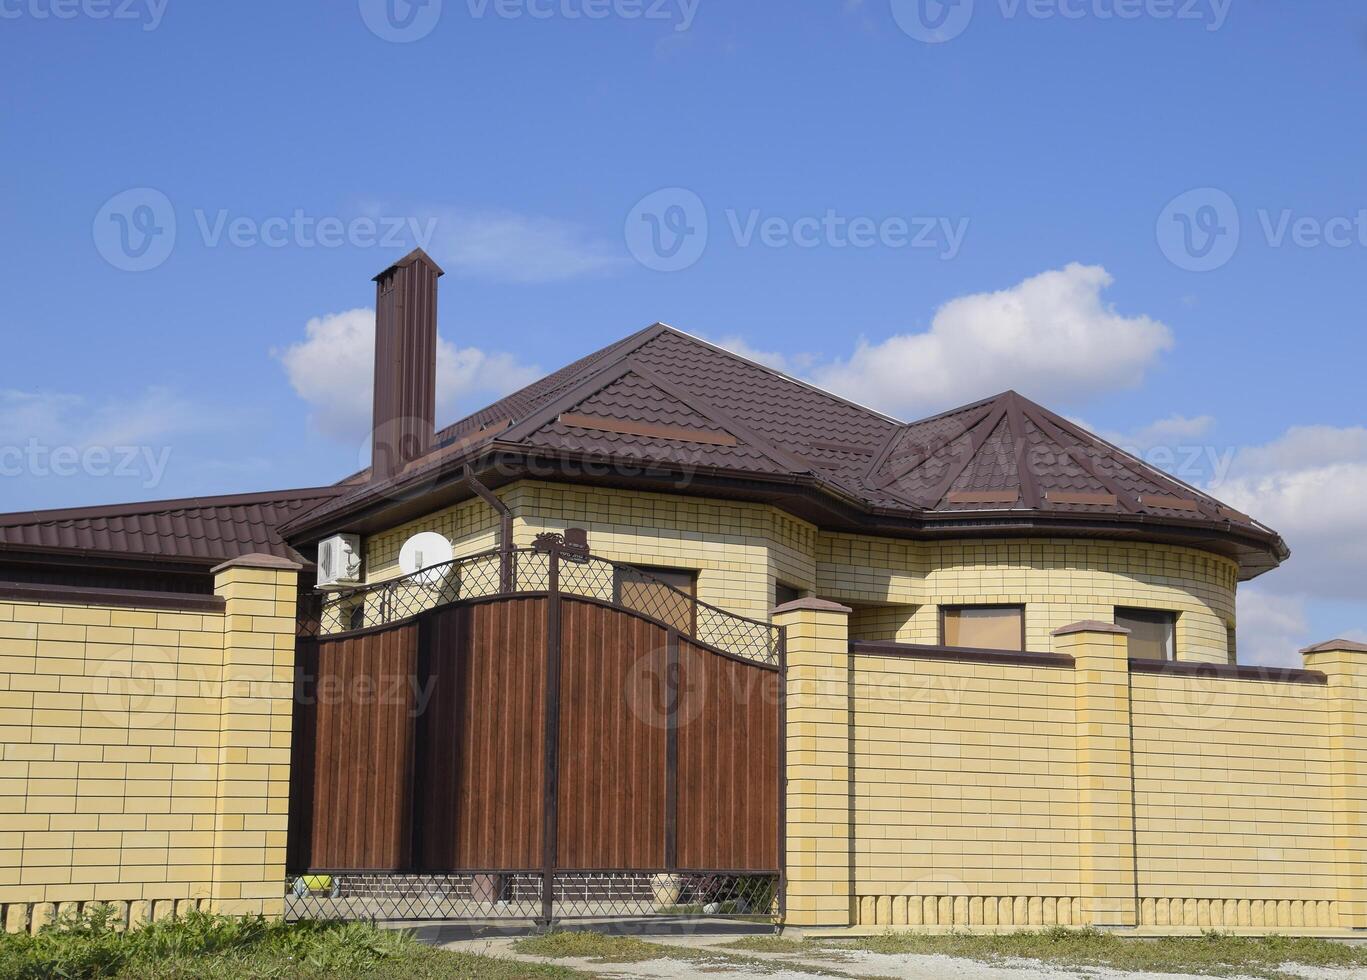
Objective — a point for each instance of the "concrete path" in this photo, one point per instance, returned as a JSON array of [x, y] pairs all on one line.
[[742, 965]]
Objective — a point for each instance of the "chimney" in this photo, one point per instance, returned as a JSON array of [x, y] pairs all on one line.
[[404, 420]]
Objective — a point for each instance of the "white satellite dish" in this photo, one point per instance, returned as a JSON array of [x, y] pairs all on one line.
[[421, 553]]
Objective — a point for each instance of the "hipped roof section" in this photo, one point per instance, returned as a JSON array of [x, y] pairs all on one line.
[[668, 401], [197, 531]]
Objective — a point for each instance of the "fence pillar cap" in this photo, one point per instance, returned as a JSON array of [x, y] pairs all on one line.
[[1337, 646], [1090, 626], [273, 562], [812, 604]]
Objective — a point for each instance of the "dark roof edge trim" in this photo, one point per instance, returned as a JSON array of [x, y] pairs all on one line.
[[1234, 672], [125, 598], [157, 506], [919, 651]]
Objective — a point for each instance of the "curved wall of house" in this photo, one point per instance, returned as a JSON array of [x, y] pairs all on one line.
[[897, 587], [740, 551]]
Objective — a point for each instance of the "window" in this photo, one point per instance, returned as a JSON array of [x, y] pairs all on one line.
[[1152, 633], [651, 591], [983, 627], [1233, 644], [785, 593]]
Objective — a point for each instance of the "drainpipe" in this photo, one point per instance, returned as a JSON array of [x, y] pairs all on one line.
[[505, 530]]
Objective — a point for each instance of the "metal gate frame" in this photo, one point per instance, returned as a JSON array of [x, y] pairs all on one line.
[[541, 894]]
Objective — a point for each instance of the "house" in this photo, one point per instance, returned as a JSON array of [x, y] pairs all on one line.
[[1010, 691]]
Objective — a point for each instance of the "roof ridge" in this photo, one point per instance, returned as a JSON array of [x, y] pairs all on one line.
[[809, 385], [140, 508], [1129, 460], [717, 416]]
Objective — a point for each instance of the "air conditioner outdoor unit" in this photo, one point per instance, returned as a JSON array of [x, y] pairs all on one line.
[[339, 562]]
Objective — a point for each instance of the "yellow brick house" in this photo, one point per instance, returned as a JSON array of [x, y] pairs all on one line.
[[1011, 688]]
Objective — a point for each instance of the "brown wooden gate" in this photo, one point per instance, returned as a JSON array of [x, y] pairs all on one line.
[[540, 753]]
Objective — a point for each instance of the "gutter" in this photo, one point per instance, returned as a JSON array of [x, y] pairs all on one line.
[[505, 528]]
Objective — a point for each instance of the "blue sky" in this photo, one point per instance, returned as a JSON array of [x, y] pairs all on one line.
[[916, 219]]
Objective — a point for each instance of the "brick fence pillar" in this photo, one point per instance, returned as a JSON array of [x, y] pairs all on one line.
[[255, 723], [1345, 664], [1105, 770], [819, 844]]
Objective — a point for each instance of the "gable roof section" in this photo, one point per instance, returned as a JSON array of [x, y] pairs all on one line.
[[663, 399], [200, 530]]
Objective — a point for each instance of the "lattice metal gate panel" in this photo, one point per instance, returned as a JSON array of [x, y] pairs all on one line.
[[536, 735]]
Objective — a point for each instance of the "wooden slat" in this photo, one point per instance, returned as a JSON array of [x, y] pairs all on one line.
[[729, 781], [612, 740], [360, 734], [479, 786]]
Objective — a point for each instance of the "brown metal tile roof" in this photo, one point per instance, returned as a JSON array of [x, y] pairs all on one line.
[[200, 530], [672, 396]]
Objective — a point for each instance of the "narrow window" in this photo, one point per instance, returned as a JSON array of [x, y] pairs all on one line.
[[1152, 633], [666, 594], [1233, 644], [784, 593], [983, 627]]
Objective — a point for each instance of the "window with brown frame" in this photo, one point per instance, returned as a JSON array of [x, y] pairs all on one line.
[[652, 592], [983, 627], [784, 593], [1153, 633]]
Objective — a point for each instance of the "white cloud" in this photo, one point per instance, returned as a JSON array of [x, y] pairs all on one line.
[[1050, 335], [508, 247], [791, 364], [1272, 629], [1309, 485], [54, 419], [1173, 431], [333, 370]]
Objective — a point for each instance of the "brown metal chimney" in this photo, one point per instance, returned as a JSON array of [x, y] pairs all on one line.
[[405, 414]]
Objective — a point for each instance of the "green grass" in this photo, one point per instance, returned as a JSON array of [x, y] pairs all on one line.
[[1212, 954], [206, 947]]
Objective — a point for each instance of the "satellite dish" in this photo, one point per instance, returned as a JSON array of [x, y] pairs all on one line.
[[421, 553]]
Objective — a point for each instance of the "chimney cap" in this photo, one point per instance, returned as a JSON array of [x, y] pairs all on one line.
[[417, 255]]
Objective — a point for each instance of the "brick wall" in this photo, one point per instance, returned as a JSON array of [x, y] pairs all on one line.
[[1007, 795], [895, 587], [1232, 801], [965, 786], [144, 753]]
